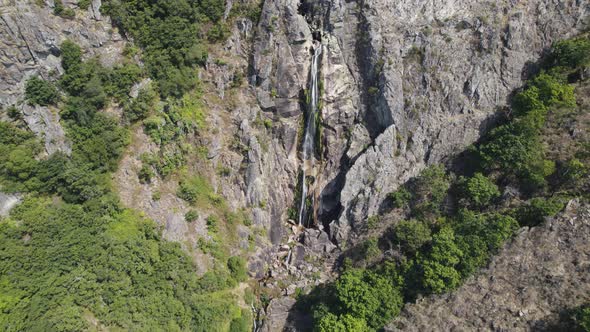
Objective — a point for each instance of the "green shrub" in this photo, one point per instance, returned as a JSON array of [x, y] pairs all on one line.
[[71, 55], [237, 268], [581, 318], [429, 191], [367, 296], [191, 216], [219, 32], [373, 222], [440, 265], [40, 92], [212, 223], [145, 174], [84, 4], [138, 108], [342, 323], [533, 213], [478, 190], [187, 192], [572, 53], [242, 323], [400, 198], [60, 10], [411, 235]]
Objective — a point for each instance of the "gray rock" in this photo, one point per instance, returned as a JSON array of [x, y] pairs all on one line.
[[7, 202], [44, 122]]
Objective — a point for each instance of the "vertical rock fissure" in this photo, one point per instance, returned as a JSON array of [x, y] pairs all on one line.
[[309, 141]]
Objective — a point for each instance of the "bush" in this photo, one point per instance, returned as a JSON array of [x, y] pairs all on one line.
[[411, 235], [84, 4], [439, 266], [400, 198], [138, 108], [478, 190], [40, 92], [581, 317], [237, 268], [572, 53], [71, 55], [430, 189], [191, 216], [219, 32], [187, 192], [538, 208], [145, 174], [60, 10], [342, 323], [367, 296]]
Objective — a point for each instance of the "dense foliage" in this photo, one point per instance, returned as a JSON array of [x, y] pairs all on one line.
[[40, 92], [456, 222], [65, 265], [170, 33]]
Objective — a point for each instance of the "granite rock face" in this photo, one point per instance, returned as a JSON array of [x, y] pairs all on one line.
[[541, 272], [434, 75]]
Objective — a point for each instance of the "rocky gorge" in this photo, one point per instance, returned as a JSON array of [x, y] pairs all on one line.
[[402, 85]]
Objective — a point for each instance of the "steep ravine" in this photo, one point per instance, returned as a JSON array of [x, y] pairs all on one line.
[[402, 85]]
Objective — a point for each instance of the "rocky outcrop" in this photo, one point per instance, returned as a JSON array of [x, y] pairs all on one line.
[[438, 72], [44, 122], [542, 272], [7, 202]]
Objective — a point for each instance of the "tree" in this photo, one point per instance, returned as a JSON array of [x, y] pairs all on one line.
[[342, 323], [439, 266], [430, 190], [411, 235], [368, 296], [478, 190], [40, 92], [572, 53], [71, 55], [237, 268]]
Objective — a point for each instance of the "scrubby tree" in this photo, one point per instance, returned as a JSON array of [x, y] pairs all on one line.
[[40, 92], [478, 190], [439, 265], [411, 235]]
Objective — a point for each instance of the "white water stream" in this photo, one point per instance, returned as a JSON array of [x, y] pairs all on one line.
[[310, 132]]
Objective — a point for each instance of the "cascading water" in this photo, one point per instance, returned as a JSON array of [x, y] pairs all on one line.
[[310, 132]]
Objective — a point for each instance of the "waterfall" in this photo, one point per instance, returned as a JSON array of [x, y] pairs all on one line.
[[310, 131]]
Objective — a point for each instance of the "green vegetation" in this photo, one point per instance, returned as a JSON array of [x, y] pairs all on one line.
[[581, 317], [191, 216], [169, 34], [478, 191], [73, 257], [67, 262], [60, 10], [456, 222], [40, 92]]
